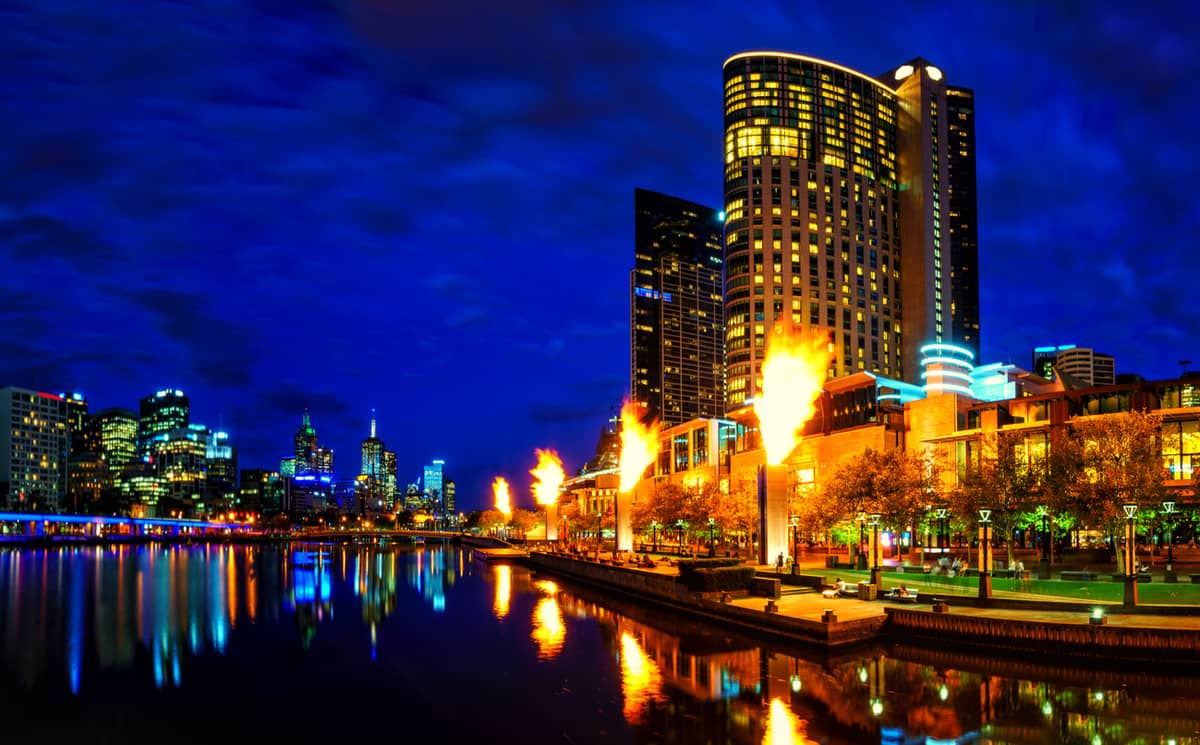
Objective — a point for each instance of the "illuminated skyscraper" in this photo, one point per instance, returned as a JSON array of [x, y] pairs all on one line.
[[677, 348], [432, 483], [118, 445], [164, 412], [221, 479], [828, 173], [33, 449], [964, 218], [77, 423], [306, 446], [372, 472]]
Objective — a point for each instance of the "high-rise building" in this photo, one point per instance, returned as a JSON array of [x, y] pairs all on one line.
[[677, 359], [221, 485], [159, 414], [181, 457], [432, 482], [77, 423], [118, 433], [306, 446], [323, 461], [287, 467], [964, 218], [389, 478], [34, 444], [372, 468], [260, 491], [828, 172], [1076, 366], [450, 509]]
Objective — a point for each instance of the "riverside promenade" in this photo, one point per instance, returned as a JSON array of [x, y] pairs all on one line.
[[1015, 621]]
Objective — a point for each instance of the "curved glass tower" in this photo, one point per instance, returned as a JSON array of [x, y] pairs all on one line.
[[828, 171]]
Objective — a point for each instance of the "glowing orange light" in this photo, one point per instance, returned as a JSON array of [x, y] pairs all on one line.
[[500, 492], [548, 629], [793, 373], [783, 726], [639, 446], [503, 590], [548, 477], [641, 680]]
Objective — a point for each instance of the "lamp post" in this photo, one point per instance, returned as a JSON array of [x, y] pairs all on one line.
[[873, 521], [712, 547], [679, 530], [1169, 511], [985, 554], [1131, 587], [861, 561], [795, 521], [654, 534], [942, 541], [1044, 565]]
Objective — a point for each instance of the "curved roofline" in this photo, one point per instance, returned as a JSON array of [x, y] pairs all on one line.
[[805, 58]]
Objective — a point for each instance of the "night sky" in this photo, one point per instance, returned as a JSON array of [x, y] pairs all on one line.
[[426, 207]]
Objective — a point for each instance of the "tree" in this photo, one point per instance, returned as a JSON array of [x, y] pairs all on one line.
[[894, 483], [492, 520], [1008, 469], [1121, 463], [523, 520]]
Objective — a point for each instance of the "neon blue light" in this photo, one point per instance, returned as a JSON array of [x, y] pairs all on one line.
[[949, 387], [948, 374], [964, 364], [134, 521], [952, 348], [721, 216]]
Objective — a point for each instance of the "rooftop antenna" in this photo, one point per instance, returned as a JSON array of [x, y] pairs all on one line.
[[372, 423], [1184, 364]]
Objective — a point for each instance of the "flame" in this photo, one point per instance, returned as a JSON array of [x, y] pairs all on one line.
[[500, 492], [503, 591], [639, 446], [793, 373], [784, 727], [548, 477], [641, 680]]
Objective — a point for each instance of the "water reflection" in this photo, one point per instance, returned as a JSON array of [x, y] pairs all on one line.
[[548, 631], [72, 616]]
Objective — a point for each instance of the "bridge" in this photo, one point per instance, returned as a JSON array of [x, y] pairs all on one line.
[[36, 524]]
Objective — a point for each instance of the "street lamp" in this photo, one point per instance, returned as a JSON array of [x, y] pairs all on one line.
[[985, 554], [1044, 565], [712, 548], [679, 529], [1169, 510], [940, 513], [795, 521], [861, 560], [1131, 588], [873, 521], [654, 534]]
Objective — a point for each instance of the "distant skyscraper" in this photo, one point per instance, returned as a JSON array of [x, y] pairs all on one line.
[[389, 478], [161, 413], [323, 461], [827, 173], [221, 479], [181, 457], [287, 467], [372, 468], [34, 444], [432, 483], [260, 491], [677, 346], [77, 422], [1080, 366], [306, 446], [451, 490]]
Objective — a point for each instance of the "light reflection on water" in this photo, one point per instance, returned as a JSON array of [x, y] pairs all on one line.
[[73, 617]]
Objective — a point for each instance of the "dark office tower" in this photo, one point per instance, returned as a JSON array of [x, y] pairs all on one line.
[[261, 491], [677, 357], [323, 461], [389, 478], [221, 480], [306, 447], [77, 421], [160, 414], [450, 489], [964, 218]]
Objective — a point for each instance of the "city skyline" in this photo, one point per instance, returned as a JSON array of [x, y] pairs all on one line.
[[267, 234]]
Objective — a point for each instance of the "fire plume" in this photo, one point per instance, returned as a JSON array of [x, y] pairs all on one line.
[[547, 477], [793, 373], [639, 446], [500, 492]]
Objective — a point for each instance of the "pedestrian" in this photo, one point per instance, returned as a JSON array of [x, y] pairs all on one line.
[[779, 563]]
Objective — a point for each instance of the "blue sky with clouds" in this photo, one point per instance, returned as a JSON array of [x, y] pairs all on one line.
[[425, 208]]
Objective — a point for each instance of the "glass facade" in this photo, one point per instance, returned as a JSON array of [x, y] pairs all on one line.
[[677, 350], [812, 211], [964, 218], [160, 414]]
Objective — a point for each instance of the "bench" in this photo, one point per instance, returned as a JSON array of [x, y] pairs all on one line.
[[894, 595]]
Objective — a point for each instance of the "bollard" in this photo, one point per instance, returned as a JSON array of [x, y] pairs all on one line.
[[829, 616], [771, 607]]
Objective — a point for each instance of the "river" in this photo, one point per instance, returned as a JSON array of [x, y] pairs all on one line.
[[321, 643]]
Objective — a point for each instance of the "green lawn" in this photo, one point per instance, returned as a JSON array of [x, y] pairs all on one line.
[[1105, 590]]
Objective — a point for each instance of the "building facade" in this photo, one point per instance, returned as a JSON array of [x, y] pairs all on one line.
[[161, 413], [964, 218], [828, 172], [677, 312], [1078, 366], [34, 448]]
